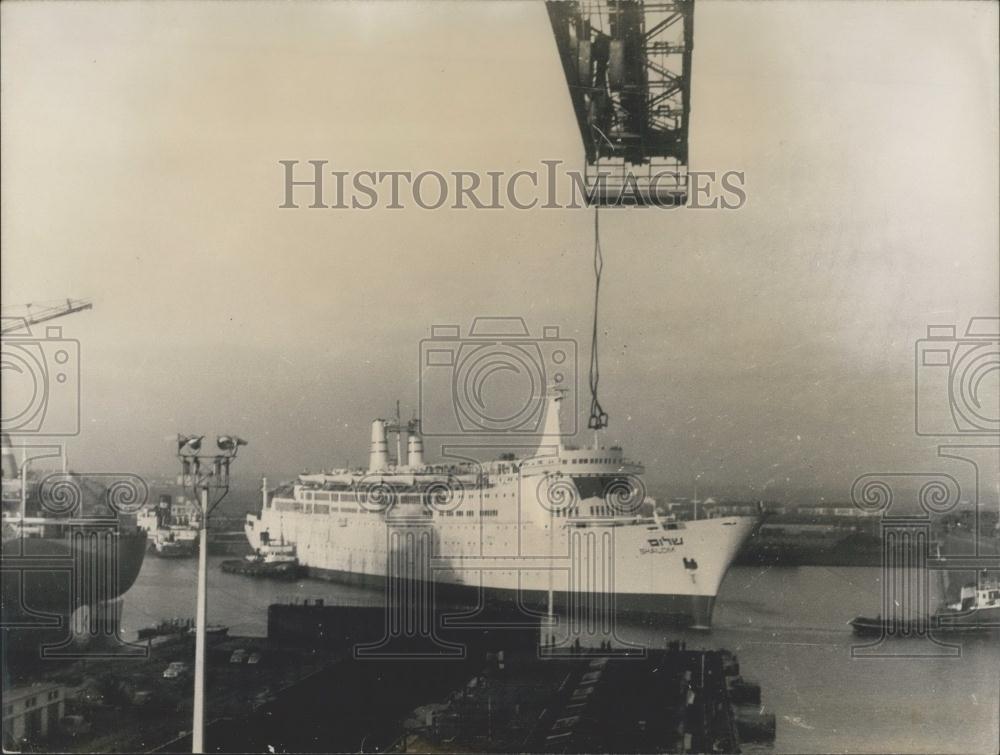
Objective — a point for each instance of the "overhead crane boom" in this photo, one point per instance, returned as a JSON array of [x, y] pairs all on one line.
[[627, 65], [43, 313]]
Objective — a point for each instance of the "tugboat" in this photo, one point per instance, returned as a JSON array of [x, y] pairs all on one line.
[[271, 560], [167, 543], [977, 610], [172, 527]]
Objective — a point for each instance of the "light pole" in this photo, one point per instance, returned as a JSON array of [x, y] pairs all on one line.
[[207, 476]]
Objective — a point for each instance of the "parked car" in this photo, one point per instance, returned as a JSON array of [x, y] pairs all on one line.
[[254, 658], [175, 670], [238, 656]]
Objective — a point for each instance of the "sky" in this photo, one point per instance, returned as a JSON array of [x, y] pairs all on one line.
[[762, 350]]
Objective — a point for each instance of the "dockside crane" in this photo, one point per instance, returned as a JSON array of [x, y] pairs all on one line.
[[39, 313], [627, 64]]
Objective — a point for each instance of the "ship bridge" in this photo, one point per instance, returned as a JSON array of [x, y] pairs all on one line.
[[554, 456]]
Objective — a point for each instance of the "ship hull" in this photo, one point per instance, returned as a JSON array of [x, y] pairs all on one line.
[[982, 619], [639, 567], [41, 577], [694, 611]]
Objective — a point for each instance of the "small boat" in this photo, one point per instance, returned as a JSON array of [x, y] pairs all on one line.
[[277, 561], [172, 526], [166, 544], [181, 627], [865, 626], [165, 628], [977, 610]]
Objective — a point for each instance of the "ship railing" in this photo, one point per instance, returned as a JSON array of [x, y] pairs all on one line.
[[607, 521], [54, 520]]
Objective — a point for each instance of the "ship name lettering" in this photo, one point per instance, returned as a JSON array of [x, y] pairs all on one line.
[[656, 542]]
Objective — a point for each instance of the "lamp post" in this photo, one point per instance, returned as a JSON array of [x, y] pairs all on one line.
[[207, 476]]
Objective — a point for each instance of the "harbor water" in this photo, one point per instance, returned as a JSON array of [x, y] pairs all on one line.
[[788, 625]]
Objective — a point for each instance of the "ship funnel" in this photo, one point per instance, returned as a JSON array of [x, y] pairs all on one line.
[[378, 458], [415, 451], [9, 461]]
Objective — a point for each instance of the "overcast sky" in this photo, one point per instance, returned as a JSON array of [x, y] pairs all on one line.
[[768, 348]]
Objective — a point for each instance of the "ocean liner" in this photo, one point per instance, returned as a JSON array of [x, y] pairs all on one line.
[[566, 523], [65, 546]]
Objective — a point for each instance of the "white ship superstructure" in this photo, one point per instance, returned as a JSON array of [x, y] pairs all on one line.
[[565, 521], [172, 527]]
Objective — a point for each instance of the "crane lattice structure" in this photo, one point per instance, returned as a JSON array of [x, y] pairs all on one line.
[[39, 313], [628, 68]]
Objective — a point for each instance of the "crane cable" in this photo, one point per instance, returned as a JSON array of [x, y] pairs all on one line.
[[598, 417]]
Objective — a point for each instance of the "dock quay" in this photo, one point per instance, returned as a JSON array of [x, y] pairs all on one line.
[[330, 678], [669, 701], [129, 703]]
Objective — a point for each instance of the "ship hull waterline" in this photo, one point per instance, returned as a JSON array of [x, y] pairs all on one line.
[[682, 611]]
